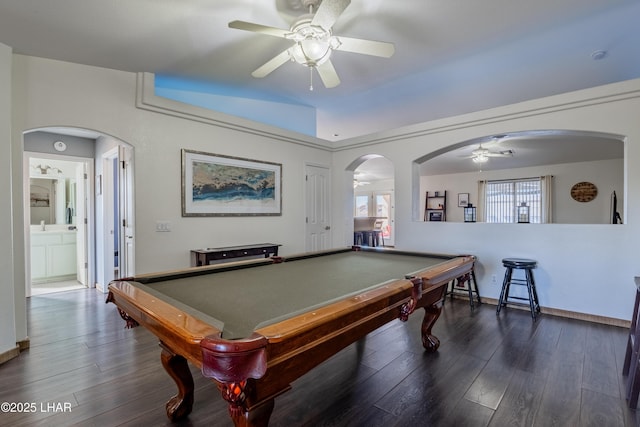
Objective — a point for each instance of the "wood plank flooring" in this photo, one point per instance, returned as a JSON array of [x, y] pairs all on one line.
[[490, 371]]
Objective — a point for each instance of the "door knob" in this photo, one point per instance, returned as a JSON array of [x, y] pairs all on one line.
[[327, 227]]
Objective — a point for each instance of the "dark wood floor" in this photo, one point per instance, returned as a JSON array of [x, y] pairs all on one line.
[[489, 371]]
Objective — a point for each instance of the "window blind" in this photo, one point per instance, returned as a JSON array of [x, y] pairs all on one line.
[[502, 199]]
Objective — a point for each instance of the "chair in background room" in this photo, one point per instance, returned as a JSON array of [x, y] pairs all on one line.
[[377, 233]]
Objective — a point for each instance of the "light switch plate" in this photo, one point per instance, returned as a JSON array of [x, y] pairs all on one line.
[[163, 226]]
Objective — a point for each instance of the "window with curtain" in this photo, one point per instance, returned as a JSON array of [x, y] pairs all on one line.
[[502, 198]]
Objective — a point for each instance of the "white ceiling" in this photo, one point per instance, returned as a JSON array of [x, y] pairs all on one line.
[[451, 57]]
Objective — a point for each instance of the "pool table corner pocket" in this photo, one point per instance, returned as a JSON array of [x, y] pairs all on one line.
[[232, 363], [416, 293]]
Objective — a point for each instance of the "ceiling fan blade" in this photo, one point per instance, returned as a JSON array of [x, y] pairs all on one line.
[[328, 74], [257, 28], [328, 12], [272, 64], [366, 47]]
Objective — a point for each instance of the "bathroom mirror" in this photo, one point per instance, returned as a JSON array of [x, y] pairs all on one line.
[[52, 190], [52, 200], [42, 200]]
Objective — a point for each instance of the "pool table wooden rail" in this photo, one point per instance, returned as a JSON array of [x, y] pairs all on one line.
[[251, 372]]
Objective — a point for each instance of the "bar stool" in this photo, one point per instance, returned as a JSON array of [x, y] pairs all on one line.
[[370, 238], [378, 233], [358, 238], [464, 284], [527, 265]]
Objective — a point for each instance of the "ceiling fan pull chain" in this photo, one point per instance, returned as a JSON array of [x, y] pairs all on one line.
[[310, 78]]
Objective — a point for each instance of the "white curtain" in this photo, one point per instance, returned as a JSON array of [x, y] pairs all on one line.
[[546, 189], [481, 212]]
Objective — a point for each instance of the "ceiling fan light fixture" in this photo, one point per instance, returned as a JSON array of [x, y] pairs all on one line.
[[313, 44], [480, 158], [311, 52]]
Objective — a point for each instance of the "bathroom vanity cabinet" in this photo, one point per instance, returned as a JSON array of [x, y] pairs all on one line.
[[53, 255]]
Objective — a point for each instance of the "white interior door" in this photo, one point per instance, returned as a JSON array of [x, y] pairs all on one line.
[[318, 211], [127, 252], [110, 214], [118, 214], [80, 213]]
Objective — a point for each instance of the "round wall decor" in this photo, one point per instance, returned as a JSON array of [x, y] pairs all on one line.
[[584, 192]]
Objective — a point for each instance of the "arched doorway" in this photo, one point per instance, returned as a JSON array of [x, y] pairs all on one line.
[[374, 199], [65, 248]]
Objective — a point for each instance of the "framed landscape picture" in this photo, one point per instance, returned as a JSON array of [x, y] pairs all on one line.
[[216, 185]]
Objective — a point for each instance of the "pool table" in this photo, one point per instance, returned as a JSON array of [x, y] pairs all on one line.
[[255, 326]]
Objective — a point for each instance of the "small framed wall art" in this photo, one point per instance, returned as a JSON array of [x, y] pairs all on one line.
[[463, 200]]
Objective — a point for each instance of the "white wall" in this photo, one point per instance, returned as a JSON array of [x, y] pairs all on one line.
[[586, 268], [607, 175], [64, 94], [7, 312], [583, 268]]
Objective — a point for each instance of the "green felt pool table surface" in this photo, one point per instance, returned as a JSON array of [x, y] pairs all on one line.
[[244, 299]]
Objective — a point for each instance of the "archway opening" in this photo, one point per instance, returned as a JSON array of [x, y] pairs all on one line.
[[373, 201], [570, 157]]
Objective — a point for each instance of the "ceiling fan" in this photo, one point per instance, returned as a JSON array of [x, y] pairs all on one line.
[[357, 183], [482, 155], [314, 41]]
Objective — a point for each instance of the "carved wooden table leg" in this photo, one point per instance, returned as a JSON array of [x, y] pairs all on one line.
[[431, 314], [257, 417], [180, 405]]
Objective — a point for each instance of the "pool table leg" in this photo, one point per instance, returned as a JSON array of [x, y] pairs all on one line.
[[431, 314], [257, 417], [180, 405]]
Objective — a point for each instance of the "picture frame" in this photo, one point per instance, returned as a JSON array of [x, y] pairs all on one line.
[[463, 200], [218, 185]]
